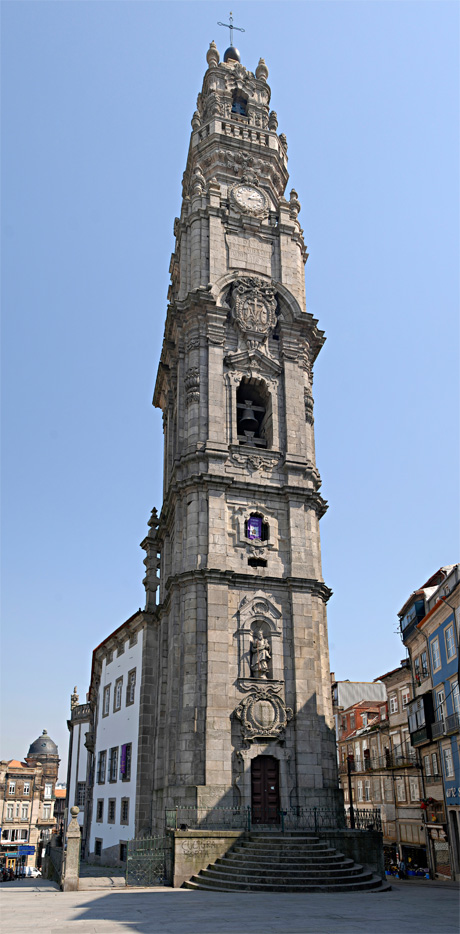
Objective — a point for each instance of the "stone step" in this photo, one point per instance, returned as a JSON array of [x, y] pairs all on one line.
[[295, 875], [292, 852], [374, 884], [290, 838], [285, 863]]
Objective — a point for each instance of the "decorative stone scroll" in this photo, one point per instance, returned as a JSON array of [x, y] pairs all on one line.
[[254, 306], [192, 384], [263, 714]]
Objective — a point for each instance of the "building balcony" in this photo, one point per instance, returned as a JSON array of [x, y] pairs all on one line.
[[420, 737], [81, 712], [438, 729], [378, 763], [453, 723]]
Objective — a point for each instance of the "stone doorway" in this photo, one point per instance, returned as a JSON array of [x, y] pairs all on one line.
[[265, 790]]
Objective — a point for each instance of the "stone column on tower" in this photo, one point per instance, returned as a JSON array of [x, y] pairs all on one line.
[[237, 541]]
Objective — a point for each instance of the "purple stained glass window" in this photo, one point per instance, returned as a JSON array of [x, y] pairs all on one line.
[[123, 759], [254, 528]]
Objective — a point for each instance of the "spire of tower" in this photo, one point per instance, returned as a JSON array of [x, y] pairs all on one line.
[[231, 53]]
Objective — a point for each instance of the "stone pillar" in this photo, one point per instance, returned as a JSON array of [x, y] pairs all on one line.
[[72, 862]]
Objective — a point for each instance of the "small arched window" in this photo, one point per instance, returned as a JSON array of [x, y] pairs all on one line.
[[253, 413], [240, 104]]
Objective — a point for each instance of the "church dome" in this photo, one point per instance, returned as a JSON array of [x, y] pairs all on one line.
[[43, 746], [232, 54]]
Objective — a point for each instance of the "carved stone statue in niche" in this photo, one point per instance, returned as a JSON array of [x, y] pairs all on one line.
[[260, 655]]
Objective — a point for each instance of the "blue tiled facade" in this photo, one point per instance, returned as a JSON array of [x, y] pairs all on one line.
[[442, 642]]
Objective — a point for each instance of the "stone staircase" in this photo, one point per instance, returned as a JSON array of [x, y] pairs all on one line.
[[288, 862]]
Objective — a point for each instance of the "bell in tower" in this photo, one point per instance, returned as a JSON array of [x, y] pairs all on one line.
[[238, 657]]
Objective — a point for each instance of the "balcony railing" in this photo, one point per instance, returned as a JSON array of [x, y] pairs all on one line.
[[452, 723], [81, 712], [420, 737], [438, 729], [401, 760]]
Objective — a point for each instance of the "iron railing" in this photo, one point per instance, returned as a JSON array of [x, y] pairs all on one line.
[[365, 818], [149, 861], [393, 760], [208, 818], [300, 817], [296, 817], [452, 722]]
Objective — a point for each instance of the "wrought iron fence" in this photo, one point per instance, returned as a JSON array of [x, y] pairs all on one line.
[[300, 817], [149, 861], [365, 819], [208, 818]]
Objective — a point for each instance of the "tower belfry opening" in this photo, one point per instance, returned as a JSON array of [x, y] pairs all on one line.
[[240, 692]]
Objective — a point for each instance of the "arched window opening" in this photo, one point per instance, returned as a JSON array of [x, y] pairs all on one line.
[[240, 104], [256, 529], [253, 413]]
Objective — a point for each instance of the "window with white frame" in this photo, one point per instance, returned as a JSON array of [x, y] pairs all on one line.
[[113, 764], [9, 811], [364, 719], [106, 701], [48, 789], [400, 788], [440, 698], [25, 812], [117, 694], [47, 812], [5, 835], [393, 703], [367, 790], [448, 762], [12, 788], [383, 713], [435, 654], [360, 791], [101, 765], [414, 788], [455, 696], [451, 649], [17, 809], [427, 766], [131, 687], [424, 662], [405, 697], [26, 788], [24, 834]]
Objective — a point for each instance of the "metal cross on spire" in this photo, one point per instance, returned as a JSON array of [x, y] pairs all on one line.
[[231, 27]]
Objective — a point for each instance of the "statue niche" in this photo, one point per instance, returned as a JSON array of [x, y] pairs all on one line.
[[261, 656]]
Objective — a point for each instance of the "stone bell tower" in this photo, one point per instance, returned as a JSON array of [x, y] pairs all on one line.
[[237, 696]]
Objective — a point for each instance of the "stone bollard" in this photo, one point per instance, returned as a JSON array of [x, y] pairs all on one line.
[[72, 858]]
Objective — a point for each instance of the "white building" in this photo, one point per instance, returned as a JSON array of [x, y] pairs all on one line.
[[114, 695]]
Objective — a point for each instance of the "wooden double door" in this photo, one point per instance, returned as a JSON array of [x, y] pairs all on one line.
[[265, 790]]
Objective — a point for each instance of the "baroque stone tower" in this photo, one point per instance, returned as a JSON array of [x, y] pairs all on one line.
[[236, 693]]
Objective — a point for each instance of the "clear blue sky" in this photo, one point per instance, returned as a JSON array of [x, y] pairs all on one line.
[[97, 102]]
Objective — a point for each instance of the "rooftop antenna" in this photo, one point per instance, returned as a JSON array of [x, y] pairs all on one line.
[[231, 27]]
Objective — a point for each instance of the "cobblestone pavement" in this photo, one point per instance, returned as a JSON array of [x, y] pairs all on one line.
[[38, 906]]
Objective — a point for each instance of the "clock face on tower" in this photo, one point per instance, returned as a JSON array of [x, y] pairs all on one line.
[[249, 199]]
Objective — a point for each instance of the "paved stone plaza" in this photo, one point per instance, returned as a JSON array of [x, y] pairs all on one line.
[[410, 908]]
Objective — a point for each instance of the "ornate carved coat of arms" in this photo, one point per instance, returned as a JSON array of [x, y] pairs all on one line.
[[262, 713], [254, 306]]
